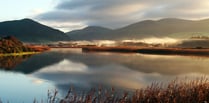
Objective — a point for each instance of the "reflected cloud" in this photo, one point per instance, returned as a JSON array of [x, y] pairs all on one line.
[[153, 56], [64, 66], [37, 81], [110, 75], [165, 65], [17, 87], [75, 61]]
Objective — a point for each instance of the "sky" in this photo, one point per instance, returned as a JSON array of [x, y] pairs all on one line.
[[67, 15]]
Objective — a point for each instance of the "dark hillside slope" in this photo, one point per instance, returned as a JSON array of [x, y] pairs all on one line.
[[28, 30]]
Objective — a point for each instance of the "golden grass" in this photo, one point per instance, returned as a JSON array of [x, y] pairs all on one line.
[[19, 54], [149, 50], [177, 91]]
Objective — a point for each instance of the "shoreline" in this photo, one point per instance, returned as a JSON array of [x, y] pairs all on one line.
[[150, 50], [18, 54]]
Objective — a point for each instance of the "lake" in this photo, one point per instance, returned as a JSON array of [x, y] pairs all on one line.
[[25, 78]]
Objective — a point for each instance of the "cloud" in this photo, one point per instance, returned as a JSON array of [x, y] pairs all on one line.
[[65, 26], [179, 9], [118, 13]]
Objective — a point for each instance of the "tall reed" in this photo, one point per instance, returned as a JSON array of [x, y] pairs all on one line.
[[177, 91]]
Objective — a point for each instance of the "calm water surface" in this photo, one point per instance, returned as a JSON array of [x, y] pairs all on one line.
[[24, 78]]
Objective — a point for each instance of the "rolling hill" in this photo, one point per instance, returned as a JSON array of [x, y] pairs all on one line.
[[89, 33], [28, 30], [168, 27]]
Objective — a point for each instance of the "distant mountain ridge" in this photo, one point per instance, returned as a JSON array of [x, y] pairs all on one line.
[[89, 33], [169, 27], [28, 30]]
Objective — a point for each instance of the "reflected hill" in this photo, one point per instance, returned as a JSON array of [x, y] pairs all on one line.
[[38, 61], [129, 71], [10, 62], [29, 63], [160, 64]]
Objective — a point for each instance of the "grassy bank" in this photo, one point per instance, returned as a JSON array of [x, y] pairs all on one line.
[[19, 54], [177, 91], [149, 50]]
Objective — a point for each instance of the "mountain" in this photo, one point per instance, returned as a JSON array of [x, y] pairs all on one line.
[[168, 27], [89, 33], [160, 28], [28, 30]]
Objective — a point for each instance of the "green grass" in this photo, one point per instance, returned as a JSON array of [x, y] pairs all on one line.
[[18, 54]]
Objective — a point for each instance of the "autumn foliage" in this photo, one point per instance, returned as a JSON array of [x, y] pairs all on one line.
[[10, 44]]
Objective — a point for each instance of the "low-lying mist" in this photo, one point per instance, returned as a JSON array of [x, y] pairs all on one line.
[[146, 42], [154, 41]]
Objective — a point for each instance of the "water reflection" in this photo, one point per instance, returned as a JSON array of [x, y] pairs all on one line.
[[162, 64], [10, 62], [20, 88], [167, 65], [66, 67], [84, 77], [38, 61]]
